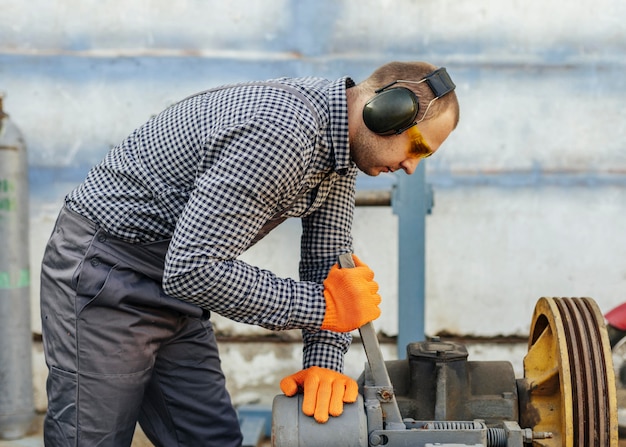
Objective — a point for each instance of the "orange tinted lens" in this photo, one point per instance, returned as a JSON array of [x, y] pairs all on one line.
[[419, 146]]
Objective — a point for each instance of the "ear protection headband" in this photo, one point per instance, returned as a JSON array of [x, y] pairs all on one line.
[[393, 110]]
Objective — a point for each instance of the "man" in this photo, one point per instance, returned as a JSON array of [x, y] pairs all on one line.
[[146, 247]]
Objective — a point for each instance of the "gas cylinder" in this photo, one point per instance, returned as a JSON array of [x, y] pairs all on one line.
[[16, 378]]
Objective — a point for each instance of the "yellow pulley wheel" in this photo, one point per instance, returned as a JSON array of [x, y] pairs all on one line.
[[568, 394]]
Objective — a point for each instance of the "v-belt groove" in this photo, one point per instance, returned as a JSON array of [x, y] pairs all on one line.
[[601, 394], [603, 391], [598, 385], [595, 380], [572, 354], [588, 385], [577, 360], [584, 354], [588, 400]]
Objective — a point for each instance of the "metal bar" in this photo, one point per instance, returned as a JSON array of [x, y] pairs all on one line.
[[373, 198], [393, 418], [411, 201]]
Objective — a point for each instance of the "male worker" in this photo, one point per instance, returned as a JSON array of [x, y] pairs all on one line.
[[146, 248]]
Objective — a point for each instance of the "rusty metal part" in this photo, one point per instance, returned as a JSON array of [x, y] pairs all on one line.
[[568, 388]]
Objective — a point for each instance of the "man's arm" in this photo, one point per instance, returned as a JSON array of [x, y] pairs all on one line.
[[248, 174], [326, 234]]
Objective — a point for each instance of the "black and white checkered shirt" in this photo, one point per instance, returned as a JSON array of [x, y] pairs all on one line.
[[217, 171]]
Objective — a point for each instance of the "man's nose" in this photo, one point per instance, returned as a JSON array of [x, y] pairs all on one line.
[[409, 165]]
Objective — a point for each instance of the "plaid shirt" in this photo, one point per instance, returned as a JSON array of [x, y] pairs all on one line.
[[215, 173]]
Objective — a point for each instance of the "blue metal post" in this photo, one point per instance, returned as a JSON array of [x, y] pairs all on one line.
[[411, 201]]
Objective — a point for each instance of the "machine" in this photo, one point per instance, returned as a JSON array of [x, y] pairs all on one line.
[[436, 397]]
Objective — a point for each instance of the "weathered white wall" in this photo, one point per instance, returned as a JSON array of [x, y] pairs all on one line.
[[530, 191]]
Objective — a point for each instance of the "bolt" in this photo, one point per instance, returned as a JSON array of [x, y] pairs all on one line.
[[529, 435], [386, 395], [375, 439], [542, 435]]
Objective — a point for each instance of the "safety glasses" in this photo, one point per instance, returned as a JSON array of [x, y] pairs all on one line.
[[419, 147]]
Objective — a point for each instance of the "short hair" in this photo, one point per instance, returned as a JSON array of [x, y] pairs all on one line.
[[414, 71]]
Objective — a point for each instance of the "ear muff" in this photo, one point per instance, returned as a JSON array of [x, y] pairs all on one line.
[[391, 111]]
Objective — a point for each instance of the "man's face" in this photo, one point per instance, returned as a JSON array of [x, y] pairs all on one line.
[[374, 154]]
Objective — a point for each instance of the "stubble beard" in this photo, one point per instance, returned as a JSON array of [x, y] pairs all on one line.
[[363, 154]]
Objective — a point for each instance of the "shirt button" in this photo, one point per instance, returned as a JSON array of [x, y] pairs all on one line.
[[102, 238], [95, 262]]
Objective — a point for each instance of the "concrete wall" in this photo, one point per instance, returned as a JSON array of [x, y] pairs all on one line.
[[530, 191]]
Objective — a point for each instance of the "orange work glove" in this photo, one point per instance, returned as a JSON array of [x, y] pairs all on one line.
[[351, 297], [325, 391]]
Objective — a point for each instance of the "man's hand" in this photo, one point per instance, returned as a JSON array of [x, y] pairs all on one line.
[[325, 391], [351, 297]]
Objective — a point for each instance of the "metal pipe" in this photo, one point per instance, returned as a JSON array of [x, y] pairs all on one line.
[[373, 198]]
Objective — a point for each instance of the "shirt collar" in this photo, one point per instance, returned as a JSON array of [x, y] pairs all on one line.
[[338, 108]]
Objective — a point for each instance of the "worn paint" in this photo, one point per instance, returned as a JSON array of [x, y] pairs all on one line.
[[15, 279]]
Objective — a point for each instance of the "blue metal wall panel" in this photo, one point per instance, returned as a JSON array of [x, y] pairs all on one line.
[[541, 84]]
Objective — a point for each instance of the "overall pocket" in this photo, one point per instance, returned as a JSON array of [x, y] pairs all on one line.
[[60, 423], [90, 279]]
